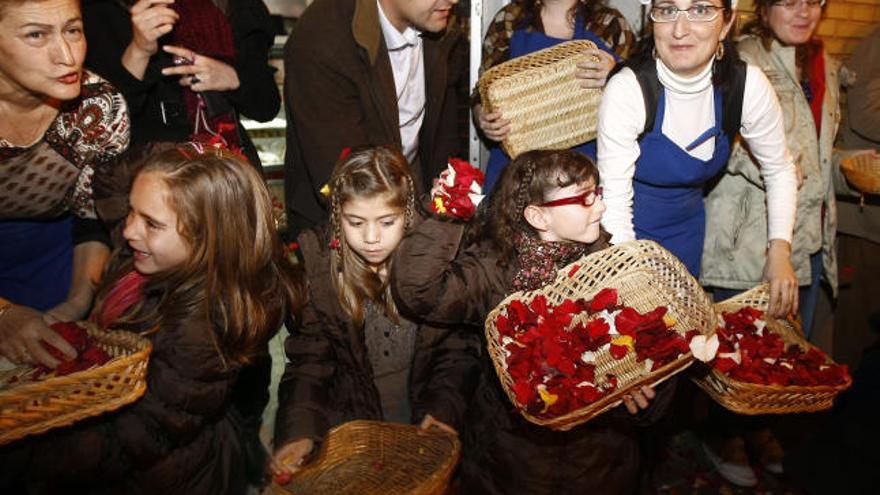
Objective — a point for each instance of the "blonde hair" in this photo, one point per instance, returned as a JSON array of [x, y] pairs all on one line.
[[237, 273], [365, 173]]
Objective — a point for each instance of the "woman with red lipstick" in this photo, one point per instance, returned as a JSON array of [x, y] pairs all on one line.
[[525, 26], [667, 123], [59, 124]]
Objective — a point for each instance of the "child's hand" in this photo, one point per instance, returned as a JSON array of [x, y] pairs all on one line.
[[289, 459], [638, 399], [431, 422]]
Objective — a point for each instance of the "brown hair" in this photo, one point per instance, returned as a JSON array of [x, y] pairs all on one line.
[[759, 26], [237, 273], [526, 181], [364, 173]]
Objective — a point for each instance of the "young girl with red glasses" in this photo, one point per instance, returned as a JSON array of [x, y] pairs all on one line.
[[543, 214]]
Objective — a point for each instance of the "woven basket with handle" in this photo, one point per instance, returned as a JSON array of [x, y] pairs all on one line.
[[863, 172], [646, 276], [28, 407], [543, 100], [750, 398], [375, 458]]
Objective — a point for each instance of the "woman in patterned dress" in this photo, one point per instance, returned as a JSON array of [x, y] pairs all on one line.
[[59, 124]]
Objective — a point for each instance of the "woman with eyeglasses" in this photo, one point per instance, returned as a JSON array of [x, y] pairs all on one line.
[[781, 42], [667, 123]]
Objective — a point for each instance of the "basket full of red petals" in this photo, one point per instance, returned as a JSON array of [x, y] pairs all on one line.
[[612, 321], [762, 365], [109, 371]]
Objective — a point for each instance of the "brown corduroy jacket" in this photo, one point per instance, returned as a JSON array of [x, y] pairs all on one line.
[[339, 92], [328, 379]]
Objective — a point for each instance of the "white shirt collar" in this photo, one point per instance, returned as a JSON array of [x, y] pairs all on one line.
[[394, 39], [694, 84]]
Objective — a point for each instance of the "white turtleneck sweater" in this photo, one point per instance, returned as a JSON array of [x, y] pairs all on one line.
[[689, 112]]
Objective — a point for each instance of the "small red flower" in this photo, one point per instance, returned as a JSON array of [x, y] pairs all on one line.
[[334, 244], [344, 153]]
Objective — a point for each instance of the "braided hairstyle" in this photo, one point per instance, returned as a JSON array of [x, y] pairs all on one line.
[[364, 173], [526, 181]]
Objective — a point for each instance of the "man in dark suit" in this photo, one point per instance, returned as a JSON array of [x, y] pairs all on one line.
[[362, 72]]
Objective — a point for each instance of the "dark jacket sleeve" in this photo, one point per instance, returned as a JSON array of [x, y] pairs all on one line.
[[188, 388], [452, 374], [325, 109], [257, 96], [304, 395], [108, 28], [90, 229], [433, 282]]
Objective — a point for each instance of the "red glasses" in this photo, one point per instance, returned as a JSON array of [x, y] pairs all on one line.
[[587, 198]]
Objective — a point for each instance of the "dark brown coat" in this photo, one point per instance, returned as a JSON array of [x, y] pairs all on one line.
[[182, 437], [339, 92], [503, 453], [328, 379]]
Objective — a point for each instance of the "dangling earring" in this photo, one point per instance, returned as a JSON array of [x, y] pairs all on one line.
[[719, 52], [654, 53]]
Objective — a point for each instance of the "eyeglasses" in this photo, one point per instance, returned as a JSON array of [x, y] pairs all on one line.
[[794, 4], [697, 13], [587, 199]]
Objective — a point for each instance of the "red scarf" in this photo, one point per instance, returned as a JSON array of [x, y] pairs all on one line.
[[816, 73], [127, 291], [204, 29]]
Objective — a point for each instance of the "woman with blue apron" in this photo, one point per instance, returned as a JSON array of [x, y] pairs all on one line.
[[668, 188], [526, 38]]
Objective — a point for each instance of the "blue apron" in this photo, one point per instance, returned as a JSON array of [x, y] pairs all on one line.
[[522, 43], [36, 261], [668, 188]]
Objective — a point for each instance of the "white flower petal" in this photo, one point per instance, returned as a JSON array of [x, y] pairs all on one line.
[[704, 348]]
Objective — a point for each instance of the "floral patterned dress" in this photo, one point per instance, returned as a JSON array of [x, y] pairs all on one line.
[[46, 193]]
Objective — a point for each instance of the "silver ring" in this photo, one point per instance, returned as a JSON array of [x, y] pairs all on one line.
[[194, 80]]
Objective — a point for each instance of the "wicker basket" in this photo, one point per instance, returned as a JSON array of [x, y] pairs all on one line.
[[375, 458], [749, 398], [863, 172], [30, 407], [543, 100], [645, 276]]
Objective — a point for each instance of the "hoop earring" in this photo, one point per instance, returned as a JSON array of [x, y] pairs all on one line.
[[719, 52]]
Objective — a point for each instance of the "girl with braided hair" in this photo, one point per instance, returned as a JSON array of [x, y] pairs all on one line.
[[355, 356], [544, 214]]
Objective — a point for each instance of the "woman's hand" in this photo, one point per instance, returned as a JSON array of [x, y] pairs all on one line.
[[203, 73], [638, 399], [492, 124], [783, 282], [22, 332], [150, 20], [593, 73], [429, 422], [289, 459]]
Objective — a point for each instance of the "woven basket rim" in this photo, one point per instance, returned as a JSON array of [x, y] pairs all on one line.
[[442, 473], [544, 65], [583, 414], [139, 349], [754, 293]]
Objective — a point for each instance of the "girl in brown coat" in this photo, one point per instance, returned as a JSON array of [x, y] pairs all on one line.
[[354, 356], [544, 214], [204, 277]]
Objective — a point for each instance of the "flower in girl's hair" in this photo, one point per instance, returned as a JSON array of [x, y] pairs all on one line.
[[458, 190], [334, 244], [344, 153], [325, 191]]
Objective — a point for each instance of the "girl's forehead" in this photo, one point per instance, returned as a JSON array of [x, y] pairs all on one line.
[[371, 205]]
